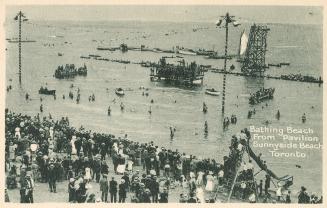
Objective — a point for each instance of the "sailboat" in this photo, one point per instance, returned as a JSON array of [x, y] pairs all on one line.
[[243, 45]]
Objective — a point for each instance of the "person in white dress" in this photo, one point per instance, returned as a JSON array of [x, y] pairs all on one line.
[[17, 133], [12, 150], [88, 174], [121, 167], [210, 182], [130, 165], [115, 147], [72, 142], [199, 180], [51, 132], [200, 194]]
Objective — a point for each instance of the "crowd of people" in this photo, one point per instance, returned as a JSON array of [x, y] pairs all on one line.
[[261, 95], [41, 150], [70, 71], [301, 78], [179, 72]]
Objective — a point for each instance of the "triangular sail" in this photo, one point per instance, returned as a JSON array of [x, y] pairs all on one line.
[[243, 43]]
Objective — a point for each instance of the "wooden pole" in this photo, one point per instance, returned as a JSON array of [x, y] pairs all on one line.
[[20, 46], [227, 19]]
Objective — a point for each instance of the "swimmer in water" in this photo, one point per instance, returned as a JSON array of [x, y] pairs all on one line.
[[206, 127], [109, 111]]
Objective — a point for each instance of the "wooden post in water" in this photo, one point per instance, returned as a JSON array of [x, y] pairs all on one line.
[[20, 17], [228, 19], [20, 46]]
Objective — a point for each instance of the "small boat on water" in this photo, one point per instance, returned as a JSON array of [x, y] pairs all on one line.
[[197, 82], [187, 52], [261, 95], [119, 91], [212, 91], [46, 91]]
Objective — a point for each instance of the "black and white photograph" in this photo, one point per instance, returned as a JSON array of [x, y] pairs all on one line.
[[163, 103]]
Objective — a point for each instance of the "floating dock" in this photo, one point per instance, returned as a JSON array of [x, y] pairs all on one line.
[[183, 73]]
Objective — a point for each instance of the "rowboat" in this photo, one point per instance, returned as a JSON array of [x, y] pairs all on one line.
[[45, 91], [119, 92], [212, 92]]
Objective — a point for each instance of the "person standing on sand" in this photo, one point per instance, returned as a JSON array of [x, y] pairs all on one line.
[[122, 191], [164, 196], [104, 188], [71, 190], [28, 188], [52, 178], [113, 190]]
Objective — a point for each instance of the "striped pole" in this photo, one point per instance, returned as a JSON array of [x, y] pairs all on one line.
[[227, 20], [20, 46]]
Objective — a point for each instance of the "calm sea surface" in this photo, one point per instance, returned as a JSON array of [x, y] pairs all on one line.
[[301, 45]]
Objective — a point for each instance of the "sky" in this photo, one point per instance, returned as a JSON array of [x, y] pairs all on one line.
[[196, 13]]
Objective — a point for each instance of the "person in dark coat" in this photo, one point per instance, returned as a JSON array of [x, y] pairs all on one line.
[[78, 145], [146, 196], [192, 199], [104, 188], [113, 190], [81, 193], [27, 190], [122, 192], [91, 199], [303, 197], [164, 196], [288, 197], [154, 188], [104, 168], [96, 167], [127, 181], [52, 178], [71, 190], [267, 184], [103, 151]]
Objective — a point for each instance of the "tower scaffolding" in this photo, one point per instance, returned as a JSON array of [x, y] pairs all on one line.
[[254, 60]]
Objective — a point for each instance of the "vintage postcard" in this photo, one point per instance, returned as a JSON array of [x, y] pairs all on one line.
[[163, 103]]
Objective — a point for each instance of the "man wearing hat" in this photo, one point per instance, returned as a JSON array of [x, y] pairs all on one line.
[[113, 190], [104, 188], [122, 191]]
